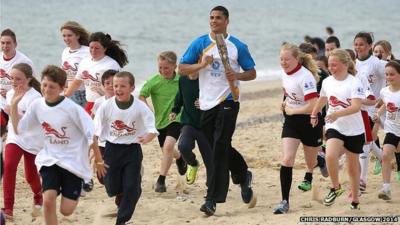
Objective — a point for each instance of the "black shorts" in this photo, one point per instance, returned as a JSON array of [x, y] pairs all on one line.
[[61, 180], [173, 130], [299, 127], [391, 139], [353, 144]]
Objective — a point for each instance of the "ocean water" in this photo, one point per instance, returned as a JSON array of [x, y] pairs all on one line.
[[147, 27]]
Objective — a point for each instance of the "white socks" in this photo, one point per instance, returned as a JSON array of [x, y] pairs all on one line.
[[364, 159], [386, 187], [376, 151]]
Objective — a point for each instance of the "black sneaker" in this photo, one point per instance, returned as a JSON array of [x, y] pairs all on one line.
[[209, 207], [88, 187], [160, 188], [182, 166], [246, 190], [322, 165]]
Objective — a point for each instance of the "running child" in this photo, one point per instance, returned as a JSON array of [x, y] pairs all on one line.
[[125, 123], [390, 96], [105, 54], [186, 100], [63, 162], [26, 144], [300, 89], [76, 38], [345, 131], [162, 89]]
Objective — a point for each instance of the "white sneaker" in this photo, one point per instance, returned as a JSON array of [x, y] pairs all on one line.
[[36, 210], [385, 194]]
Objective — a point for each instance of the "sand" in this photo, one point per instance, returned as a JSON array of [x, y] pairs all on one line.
[[257, 137]]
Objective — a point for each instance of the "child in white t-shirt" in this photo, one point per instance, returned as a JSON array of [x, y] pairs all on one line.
[[63, 162], [390, 96], [125, 123], [344, 125]]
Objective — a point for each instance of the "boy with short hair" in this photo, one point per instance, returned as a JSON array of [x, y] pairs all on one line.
[[63, 162], [124, 123], [162, 89]]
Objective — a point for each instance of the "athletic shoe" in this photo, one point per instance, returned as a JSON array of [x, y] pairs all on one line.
[[322, 166], [377, 167], [182, 166], [333, 194], [246, 190], [398, 176], [305, 186], [355, 205], [36, 210], [88, 187], [363, 186], [281, 208], [160, 188], [191, 173], [8, 214], [385, 194], [2, 218], [209, 207]]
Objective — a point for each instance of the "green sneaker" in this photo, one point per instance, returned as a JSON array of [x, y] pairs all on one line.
[[191, 173], [398, 176], [333, 194], [377, 167], [305, 186]]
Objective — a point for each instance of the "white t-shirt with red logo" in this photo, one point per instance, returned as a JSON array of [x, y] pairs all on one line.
[[30, 141], [339, 94], [70, 62], [123, 126], [374, 70], [368, 95], [96, 106], [6, 66], [392, 102], [67, 131], [90, 72], [299, 87]]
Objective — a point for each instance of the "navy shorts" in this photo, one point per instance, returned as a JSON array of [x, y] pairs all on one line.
[[173, 130], [353, 144], [62, 181], [391, 139], [299, 127]]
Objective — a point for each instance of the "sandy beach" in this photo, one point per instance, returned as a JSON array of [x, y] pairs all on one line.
[[257, 137]]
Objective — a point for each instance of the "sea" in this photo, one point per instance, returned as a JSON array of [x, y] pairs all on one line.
[[147, 27]]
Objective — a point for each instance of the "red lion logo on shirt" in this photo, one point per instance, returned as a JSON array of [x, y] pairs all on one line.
[[4, 74], [120, 125], [391, 107], [48, 130], [333, 101], [292, 96], [86, 76], [66, 66]]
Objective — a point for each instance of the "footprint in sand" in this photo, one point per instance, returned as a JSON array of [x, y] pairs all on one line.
[[105, 215]]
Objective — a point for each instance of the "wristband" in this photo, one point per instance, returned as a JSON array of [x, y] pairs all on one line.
[[100, 163], [313, 117]]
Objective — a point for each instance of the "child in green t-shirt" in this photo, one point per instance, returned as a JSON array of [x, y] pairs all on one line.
[[162, 89]]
